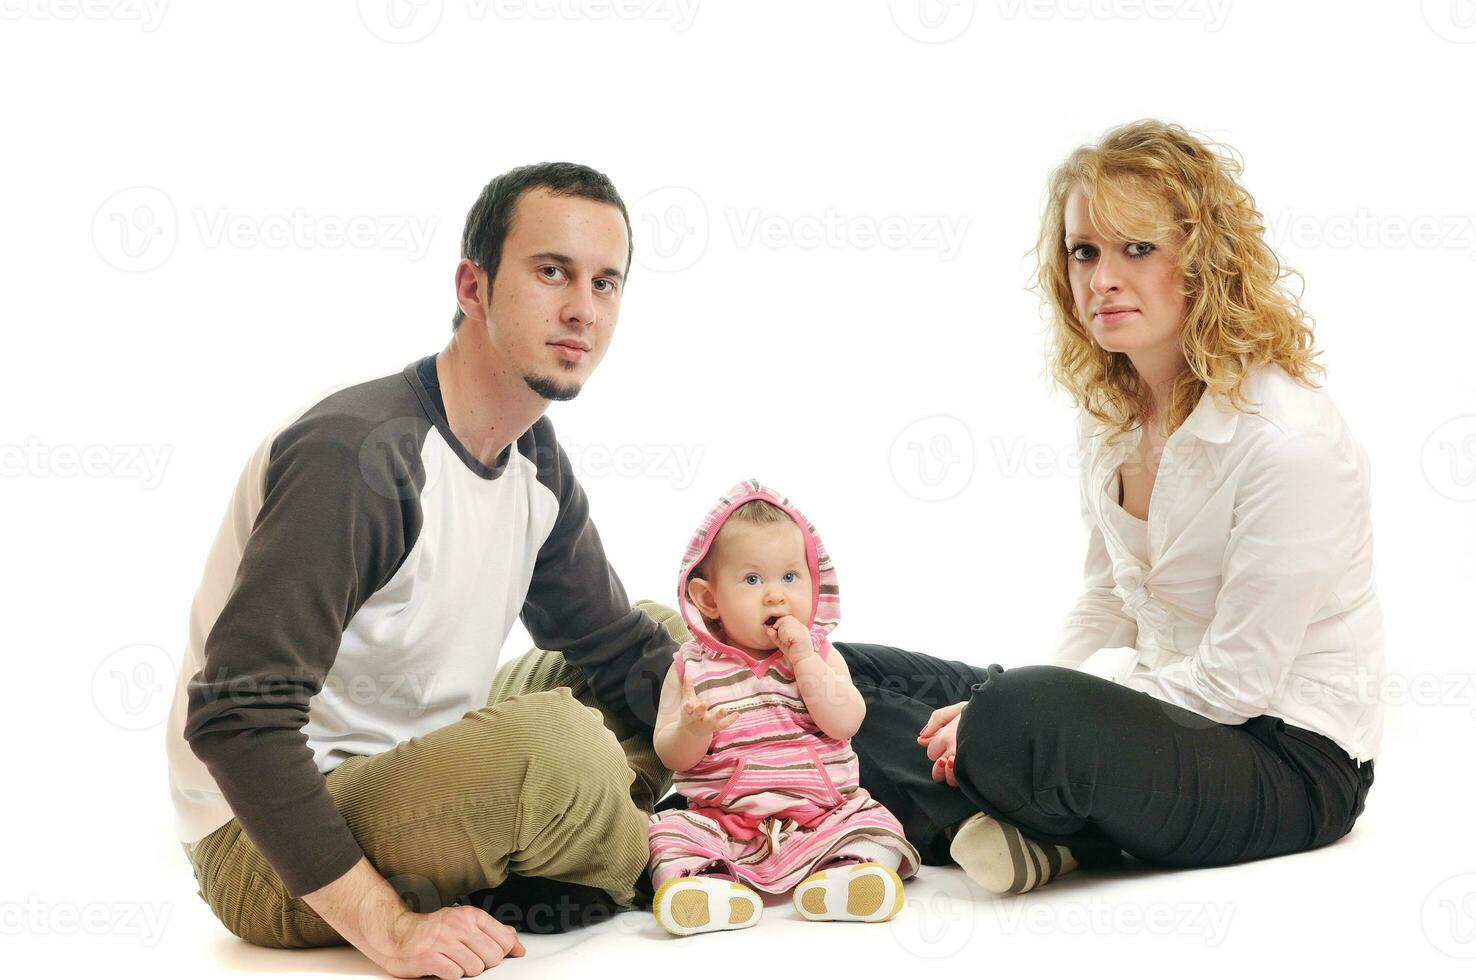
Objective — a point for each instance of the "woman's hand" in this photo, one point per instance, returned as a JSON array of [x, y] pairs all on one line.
[[940, 736]]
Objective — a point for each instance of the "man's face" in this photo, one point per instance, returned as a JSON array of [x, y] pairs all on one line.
[[556, 297]]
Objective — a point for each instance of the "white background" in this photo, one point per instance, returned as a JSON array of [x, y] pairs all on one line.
[[156, 325]]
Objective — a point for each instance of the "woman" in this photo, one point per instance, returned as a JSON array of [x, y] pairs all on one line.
[[1204, 703]]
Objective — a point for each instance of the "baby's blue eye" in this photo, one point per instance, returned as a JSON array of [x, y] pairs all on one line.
[[791, 577], [750, 580]]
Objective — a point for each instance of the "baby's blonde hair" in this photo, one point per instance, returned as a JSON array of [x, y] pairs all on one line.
[[1155, 182]]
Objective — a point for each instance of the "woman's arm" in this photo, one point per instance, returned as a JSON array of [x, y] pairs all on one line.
[[1098, 620], [1299, 513]]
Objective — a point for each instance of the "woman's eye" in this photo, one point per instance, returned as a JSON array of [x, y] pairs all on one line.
[[750, 580], [1139, 249], [1081, 253]]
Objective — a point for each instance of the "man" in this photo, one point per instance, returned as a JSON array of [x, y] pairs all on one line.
[[329, 731]]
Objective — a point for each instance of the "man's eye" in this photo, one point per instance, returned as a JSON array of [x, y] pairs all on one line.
[[605, 285], [551, 271]]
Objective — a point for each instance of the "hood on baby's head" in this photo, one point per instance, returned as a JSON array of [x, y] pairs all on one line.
[[825, 598]]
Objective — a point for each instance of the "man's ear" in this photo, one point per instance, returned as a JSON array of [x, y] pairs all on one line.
[[472, 289], [700, 592]]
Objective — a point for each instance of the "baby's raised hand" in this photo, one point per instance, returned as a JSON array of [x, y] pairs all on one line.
[[697, 717], [792, 639]]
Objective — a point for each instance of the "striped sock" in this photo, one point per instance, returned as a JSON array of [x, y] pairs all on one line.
[[1005, 861]]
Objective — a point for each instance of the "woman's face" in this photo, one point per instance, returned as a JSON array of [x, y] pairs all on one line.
[[1127, 293]]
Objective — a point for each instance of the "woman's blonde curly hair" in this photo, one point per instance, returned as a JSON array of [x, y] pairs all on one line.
[[1155, 182]]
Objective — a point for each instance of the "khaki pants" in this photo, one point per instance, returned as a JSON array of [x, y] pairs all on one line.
[[542, 782]]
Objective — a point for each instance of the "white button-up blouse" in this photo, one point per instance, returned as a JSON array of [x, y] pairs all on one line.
[[1257, 593]]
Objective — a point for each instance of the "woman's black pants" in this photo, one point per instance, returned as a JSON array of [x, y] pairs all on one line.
[[1072, 759]]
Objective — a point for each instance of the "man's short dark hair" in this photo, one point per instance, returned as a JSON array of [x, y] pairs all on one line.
[[489, 219]]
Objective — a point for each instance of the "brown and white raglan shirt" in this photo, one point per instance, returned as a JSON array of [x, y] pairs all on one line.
[[358, 594]]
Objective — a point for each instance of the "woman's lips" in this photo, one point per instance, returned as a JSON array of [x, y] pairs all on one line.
[[1116, 316]]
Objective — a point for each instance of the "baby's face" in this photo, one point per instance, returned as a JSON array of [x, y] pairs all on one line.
[[760, 575]]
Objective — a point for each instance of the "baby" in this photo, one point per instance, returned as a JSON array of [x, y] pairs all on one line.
[[755, 722]]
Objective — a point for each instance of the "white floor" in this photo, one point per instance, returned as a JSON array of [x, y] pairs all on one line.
[[1384, 901]]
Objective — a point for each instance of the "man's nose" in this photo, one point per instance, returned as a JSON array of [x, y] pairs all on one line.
[[580, 309]]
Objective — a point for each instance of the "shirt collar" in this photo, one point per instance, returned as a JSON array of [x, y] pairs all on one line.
[[1212, 420]]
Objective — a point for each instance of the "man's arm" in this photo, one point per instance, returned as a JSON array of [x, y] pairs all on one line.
[[338, 516], [322, 543], [577, 605]]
